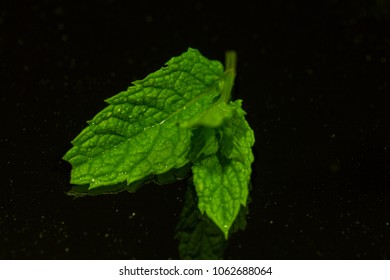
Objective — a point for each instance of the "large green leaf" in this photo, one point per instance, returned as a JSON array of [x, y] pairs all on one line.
[[137, 134]]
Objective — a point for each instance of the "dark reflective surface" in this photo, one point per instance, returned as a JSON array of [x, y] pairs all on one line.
[[199, 238], [315, 84]]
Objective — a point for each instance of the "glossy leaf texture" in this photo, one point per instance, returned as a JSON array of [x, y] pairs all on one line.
[[177, 118], [137, 135], [222, 179]]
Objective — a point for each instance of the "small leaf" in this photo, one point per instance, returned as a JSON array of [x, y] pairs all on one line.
[[222, 179]]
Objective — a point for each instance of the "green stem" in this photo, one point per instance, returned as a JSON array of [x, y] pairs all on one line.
[[230, 74]]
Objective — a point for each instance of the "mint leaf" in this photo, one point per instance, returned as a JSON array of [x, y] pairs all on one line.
[[177, 118], [222, 179], [137, 134]]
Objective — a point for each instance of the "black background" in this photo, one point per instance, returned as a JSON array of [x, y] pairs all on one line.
[[315, 84]]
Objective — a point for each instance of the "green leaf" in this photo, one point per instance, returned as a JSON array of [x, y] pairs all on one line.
[[178, 116], [222, 179], [138, 134]]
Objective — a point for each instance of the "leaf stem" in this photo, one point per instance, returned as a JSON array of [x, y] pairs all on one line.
[[230, 74]]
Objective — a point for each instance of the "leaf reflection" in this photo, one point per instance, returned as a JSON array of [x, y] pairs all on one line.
[[199, 238]]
